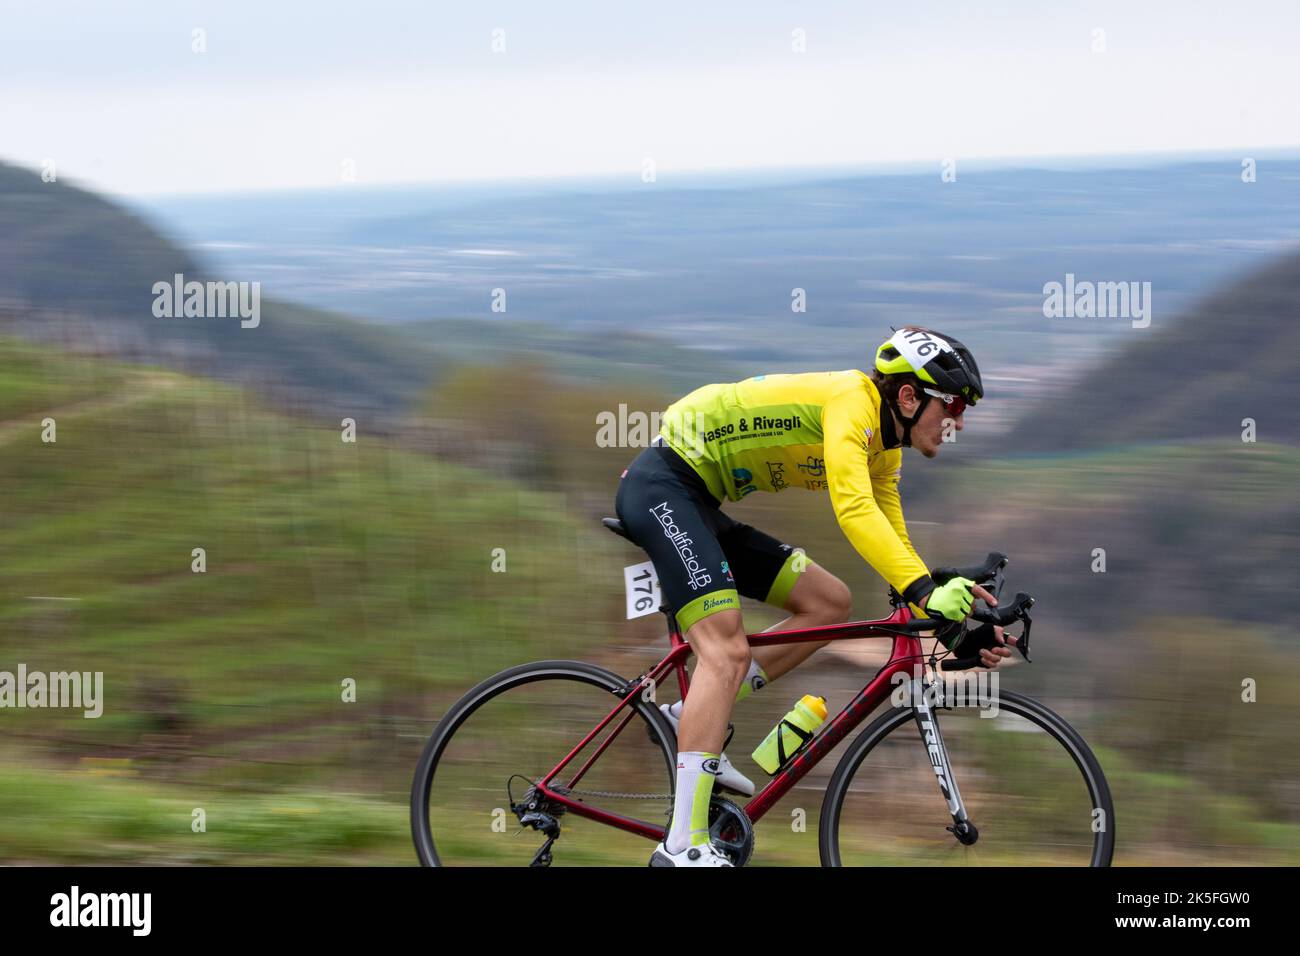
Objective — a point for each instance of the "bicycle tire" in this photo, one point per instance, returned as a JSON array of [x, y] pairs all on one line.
[[1018, 704]]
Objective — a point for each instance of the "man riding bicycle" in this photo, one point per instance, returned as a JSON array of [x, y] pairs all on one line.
[[839, 431]]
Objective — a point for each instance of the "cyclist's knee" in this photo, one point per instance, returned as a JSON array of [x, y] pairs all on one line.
[[719, 640], [839, 602], [717, 632]]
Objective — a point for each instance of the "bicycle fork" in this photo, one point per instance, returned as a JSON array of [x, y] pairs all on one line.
[[925, 690]]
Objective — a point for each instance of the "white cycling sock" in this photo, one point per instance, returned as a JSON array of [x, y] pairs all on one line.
[[755, 679], [696, 771]]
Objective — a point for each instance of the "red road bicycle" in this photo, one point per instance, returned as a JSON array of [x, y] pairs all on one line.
[[585, 762]]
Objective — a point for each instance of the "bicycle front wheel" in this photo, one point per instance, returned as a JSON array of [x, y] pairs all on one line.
[[510, 731], [1029, 782]]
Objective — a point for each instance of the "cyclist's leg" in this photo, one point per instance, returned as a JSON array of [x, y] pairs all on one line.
[[676, 524], [818, 598], [767, 570], [722, 660], [679, 533]]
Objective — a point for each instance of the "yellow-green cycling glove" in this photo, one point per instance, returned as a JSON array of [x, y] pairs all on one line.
[[951, 600]]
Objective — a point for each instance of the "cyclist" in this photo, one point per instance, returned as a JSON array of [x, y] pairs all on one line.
[[842, 432]]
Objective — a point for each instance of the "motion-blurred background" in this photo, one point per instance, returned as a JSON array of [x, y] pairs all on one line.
[[1172, 448]]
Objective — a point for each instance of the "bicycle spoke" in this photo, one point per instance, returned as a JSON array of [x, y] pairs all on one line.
[[516, 737]]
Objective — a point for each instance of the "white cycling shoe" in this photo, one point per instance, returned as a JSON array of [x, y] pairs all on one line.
[[729, 778], [704, 855]]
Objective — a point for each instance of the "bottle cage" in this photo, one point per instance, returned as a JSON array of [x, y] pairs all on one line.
[[803, 735]]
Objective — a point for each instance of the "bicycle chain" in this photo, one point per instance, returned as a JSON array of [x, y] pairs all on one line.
[[607, 793]]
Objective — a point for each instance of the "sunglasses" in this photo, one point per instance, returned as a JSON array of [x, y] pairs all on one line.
[[954, 405]]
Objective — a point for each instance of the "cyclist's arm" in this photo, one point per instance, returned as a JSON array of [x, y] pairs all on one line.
[[884, 485], [846, 419]]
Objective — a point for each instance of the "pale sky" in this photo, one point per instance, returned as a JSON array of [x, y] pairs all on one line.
[[286, 92]]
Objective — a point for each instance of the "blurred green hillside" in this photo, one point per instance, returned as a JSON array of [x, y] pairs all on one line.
[[65, 248], [325, 561]]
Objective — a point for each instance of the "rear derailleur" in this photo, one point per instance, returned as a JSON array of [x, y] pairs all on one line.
[[538, 813]]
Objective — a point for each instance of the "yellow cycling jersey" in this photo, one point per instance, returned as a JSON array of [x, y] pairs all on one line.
[[815, 430]]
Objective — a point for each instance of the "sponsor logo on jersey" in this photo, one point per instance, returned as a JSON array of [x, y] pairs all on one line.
[[726, 569], [696, 575], [815, 467], [774, 471], [868, 434], [760, 422], [743, 478], [713, 603]]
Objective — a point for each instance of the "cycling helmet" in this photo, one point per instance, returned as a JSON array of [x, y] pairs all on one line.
[[934, 358]]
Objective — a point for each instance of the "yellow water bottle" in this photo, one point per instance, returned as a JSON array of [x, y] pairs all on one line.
[[795, 729]]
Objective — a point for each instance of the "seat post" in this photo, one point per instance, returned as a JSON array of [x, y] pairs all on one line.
[[676, 640], [674, 632]]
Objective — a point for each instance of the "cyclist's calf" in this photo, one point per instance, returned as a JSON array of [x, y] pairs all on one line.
[[723, 656]]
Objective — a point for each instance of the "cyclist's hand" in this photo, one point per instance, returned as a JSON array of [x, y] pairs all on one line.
[[992, 656], [953, 599], [985, 644]]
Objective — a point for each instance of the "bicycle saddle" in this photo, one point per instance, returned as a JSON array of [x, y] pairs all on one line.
[[616, 526]]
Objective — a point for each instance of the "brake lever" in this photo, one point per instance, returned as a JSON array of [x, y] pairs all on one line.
[[1022, 640], [1022, 645], [999, 579], [1019, 607]]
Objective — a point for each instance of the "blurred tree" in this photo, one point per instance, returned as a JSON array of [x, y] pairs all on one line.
[[543, 427]]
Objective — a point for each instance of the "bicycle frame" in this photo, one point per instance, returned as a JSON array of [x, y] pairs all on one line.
[[905, 657]]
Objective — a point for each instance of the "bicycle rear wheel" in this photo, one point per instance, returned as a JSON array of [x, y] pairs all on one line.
[[1029, 783], [512, 730]]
